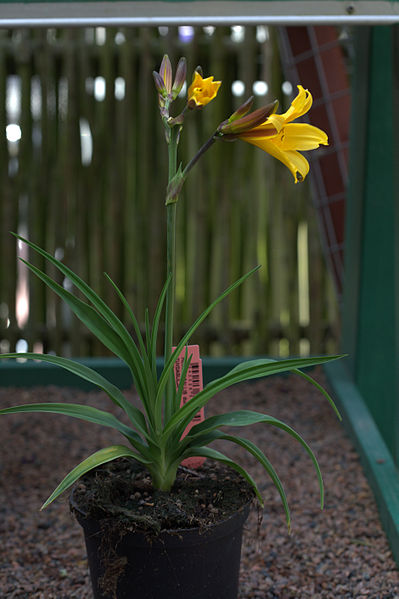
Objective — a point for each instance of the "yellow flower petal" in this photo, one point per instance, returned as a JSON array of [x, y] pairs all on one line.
[[297, 164], [301, 136], [281, 138], [299, 105], [202, 91], [275, 120]]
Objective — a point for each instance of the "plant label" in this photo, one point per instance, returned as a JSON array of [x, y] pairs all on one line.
[[192, 385]]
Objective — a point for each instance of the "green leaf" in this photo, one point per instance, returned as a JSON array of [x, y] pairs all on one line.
[[96, 459], [183, 375], [147, 327], [244, 372], [245, 418], [170, 363], [155, 326], [260, 456], [130, 352], [215, 435], [90, 317], [131, 314], [236, 418], [244, 365], [253, 369], [321, 389], [207, 452], [86, 413], [86, 373], [150, 383]]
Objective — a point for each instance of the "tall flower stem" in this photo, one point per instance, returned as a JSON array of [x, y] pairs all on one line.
[[170, 269], [200, 152]]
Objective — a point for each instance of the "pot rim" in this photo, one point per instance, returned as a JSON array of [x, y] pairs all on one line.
[[220, 528]]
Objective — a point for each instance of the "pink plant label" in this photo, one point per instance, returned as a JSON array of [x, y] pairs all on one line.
[[192, 385]]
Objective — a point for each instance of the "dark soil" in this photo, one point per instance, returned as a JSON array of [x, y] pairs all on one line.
[[124, 492], [340, 552]]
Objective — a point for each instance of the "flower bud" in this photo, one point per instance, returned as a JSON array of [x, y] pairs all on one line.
[[242, 110], [165, 71], [180, 77], [254, 119], [159, 83]]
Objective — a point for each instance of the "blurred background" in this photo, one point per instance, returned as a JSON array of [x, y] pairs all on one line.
[[83, 171]]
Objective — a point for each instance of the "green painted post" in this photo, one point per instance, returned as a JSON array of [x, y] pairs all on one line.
[[369, 302], [367, 383], [354, 207], [395, 88]]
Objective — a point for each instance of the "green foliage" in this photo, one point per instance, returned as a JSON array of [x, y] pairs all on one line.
[[155, 431]]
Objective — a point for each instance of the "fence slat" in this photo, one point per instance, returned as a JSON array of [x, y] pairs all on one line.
[[102, 209]]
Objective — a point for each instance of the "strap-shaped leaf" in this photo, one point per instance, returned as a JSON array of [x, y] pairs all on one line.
[[236, 418], [149, 378], [87, 413], [96, 459], [170, 363], [216, 435], [253, 369], [183, 376], [155, 326], [304, 375], [95, 323], [321, 389], [131, 314], [86, 290], [267, 465], [208, 452], [102, 308], [90, 375], [245, 418], [244, 372]]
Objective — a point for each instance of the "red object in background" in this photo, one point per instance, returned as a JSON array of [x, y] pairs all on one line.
[[315, 57], [192, 385]]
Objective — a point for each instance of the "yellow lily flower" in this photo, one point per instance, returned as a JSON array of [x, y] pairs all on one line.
[[202, 91], [281, 138]]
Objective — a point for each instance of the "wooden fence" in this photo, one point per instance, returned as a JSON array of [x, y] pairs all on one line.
[[83, 174]]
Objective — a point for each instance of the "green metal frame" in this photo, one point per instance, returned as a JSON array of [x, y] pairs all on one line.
[[367, 383], [34, 374], [57, 13], [395, 87], [369, 290], [375, 457]]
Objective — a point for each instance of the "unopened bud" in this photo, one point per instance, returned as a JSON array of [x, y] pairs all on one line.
[[165, 71], [248, 122], [159, 83], [242, 110], [180, 77]]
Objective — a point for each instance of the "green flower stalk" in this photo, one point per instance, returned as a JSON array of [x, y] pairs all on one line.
[[154, 435]]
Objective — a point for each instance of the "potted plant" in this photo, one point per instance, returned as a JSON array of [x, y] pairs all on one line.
[[154, 528]]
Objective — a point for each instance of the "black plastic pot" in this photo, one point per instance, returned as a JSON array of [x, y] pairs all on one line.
[[178, 564]]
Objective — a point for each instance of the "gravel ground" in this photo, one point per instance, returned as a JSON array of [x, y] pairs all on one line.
[[340, 552]]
